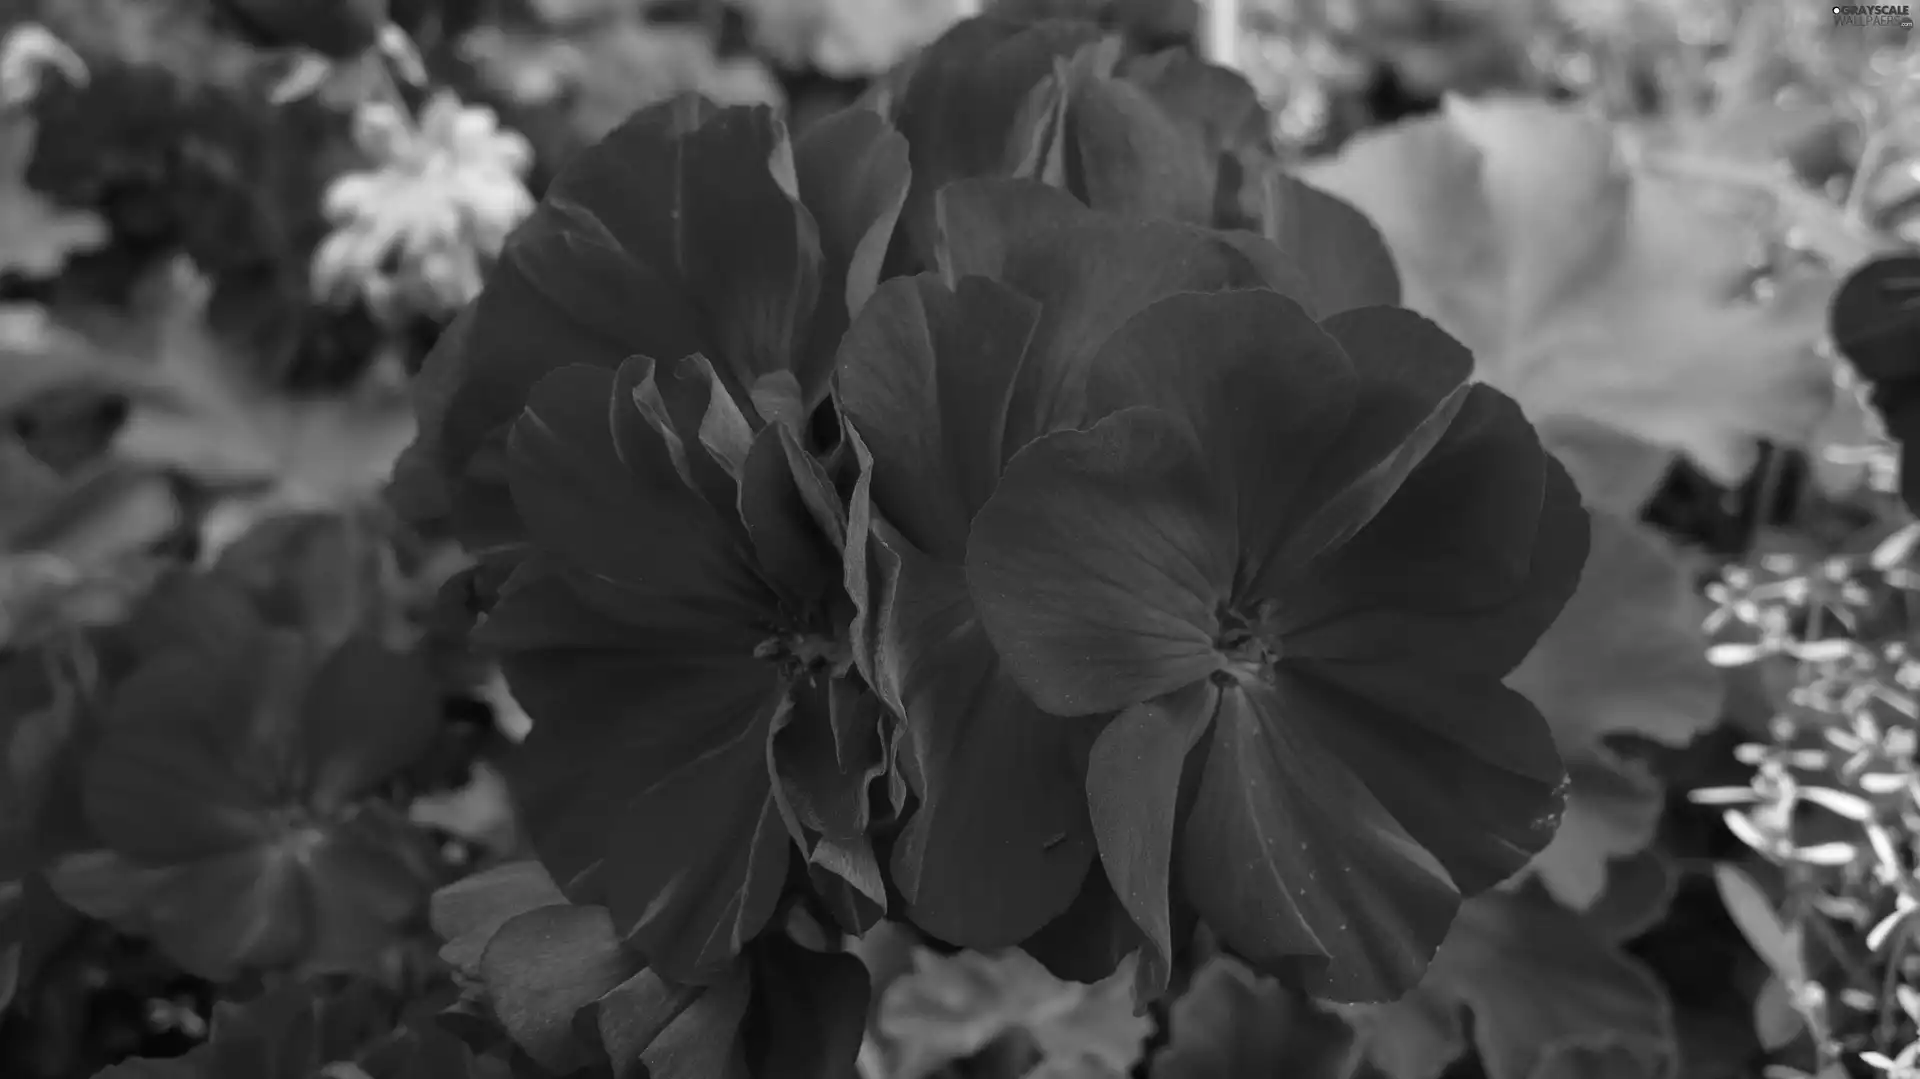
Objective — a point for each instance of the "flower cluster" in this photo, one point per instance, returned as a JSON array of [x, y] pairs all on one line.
[[893, 524]]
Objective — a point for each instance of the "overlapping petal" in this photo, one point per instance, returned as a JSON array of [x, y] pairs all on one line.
[[1353, 547], [1058, 100]]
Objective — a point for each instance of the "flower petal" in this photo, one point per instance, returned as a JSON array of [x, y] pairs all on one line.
[[1133, 157], [999, 843], [709, 195], [1463, 570], [1411, 383], [642, 716], [983, 221], [1470, 771], [925, 374], [1133, 789], [1352, 267], [1290, 858], [595, 492], [782, 501], [1265, 390], [958, 108], [1100, 563], [702, 430], [1090, 278], [853, 175]]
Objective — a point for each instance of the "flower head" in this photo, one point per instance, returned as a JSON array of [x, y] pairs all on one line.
[[1305, 554]]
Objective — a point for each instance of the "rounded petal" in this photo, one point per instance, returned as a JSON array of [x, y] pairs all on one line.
[[1352, 267], [853, 176], [1099, 565], [1296, 864], [1411, 381], [1265, 390], [1462, 571], [1470, 771], [958, 107]]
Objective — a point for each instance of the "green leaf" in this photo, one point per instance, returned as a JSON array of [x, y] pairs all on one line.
[[673, 1031], [1232, 1023], [227, 788], [467, 913], [1539, 983], [950, 1008], [1589, 287], [1774, 940]]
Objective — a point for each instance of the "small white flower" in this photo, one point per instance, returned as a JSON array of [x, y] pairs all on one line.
[[443, 195]]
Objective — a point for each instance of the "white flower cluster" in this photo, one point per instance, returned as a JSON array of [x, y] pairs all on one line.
[[414, 233]]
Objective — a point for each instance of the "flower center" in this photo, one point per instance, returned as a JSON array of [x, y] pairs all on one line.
[[1247, 651], [802, 655]]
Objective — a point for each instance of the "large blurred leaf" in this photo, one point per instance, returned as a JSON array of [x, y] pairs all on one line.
[[1588, 287], [1625, 658], [1549, 998]]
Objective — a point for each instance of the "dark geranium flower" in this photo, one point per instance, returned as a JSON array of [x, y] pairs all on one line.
[[689, 229], [1875, 323], [944, 377], [1308, 553], [677, 636]]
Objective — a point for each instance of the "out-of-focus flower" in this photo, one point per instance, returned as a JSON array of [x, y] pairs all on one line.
[[415, 231]]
